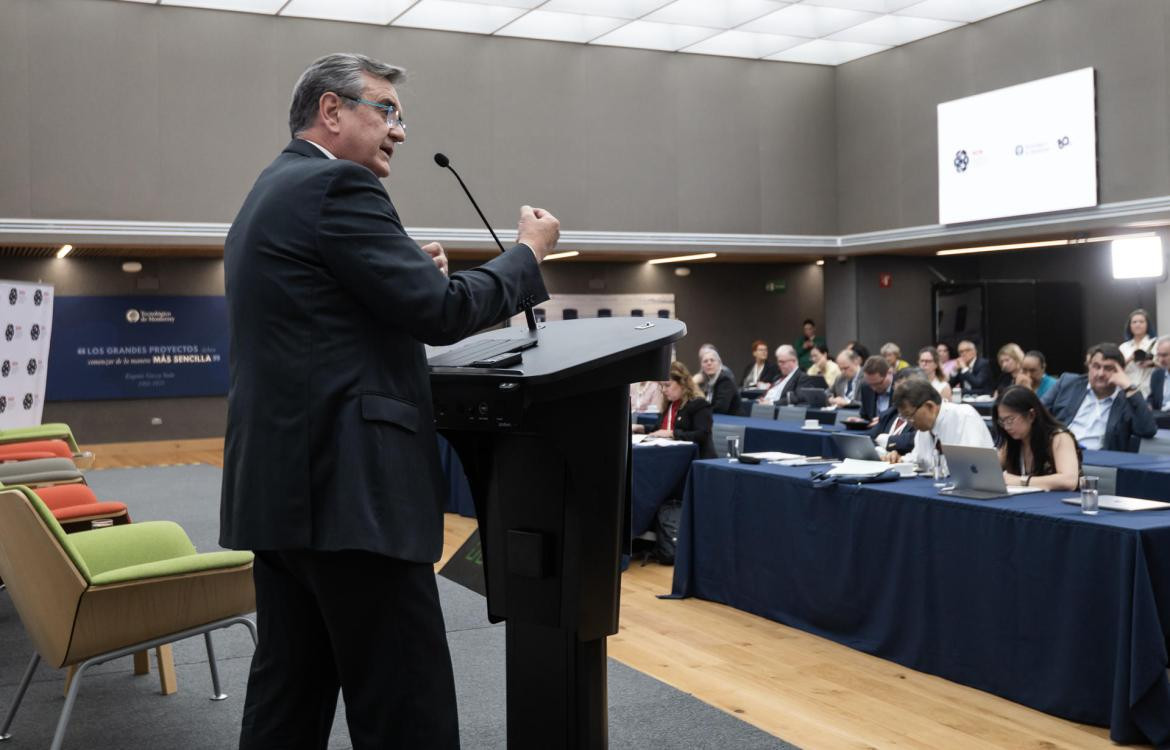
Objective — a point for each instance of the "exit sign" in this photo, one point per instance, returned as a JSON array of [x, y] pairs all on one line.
[[776, 287]]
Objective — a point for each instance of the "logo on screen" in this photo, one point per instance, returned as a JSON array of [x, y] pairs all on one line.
[[32, 367], [961, 160], [9, 332], [38, 297], [133, 316], [3, 403], [35, 331], [12, 296], [28, 401], [974, 469], [5, 368], [1062, 142]]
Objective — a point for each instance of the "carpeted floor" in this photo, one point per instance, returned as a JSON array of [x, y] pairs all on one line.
[[118, 711]]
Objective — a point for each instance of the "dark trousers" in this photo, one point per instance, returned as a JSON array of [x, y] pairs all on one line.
[[367, 624]]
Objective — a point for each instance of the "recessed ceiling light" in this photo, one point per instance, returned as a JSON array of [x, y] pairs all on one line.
[[656, 36], [561, 27], [359, 11], [244, 6], [65, 250], [743, 44], [681, 258], [447, 15]]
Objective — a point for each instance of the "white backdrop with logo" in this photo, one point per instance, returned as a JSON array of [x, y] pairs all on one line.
[[24, 352]]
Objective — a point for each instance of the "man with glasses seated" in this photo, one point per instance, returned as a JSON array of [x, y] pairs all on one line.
[[937, 423]]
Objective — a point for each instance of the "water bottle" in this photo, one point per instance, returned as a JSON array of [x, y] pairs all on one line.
[[957, 394]]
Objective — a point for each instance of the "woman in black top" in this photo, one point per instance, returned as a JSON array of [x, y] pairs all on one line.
[[686, 415], [717, 382], [1034, 449]]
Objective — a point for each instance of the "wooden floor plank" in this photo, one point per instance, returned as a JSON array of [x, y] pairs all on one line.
[[807, 690]]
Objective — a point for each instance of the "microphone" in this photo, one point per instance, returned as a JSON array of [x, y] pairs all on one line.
[[445, 163]]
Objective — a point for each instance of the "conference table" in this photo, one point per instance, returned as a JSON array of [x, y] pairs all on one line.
[[787, 436], [1024, 597], [658, 472]]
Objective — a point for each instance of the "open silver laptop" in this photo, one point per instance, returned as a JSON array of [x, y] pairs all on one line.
[[977, 474], [1117, 502]]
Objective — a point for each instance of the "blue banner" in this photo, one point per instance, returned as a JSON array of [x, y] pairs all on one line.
[[138, 347]]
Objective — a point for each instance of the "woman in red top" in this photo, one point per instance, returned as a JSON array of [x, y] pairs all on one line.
[[686, 415]]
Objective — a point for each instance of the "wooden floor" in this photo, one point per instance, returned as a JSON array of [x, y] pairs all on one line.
[[811, 692]]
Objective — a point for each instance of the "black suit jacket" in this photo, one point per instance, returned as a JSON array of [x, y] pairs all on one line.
[[868, 399], [976, 381], [903, 442], [800, 379], [770, 373], [724, 396], [1157, 385], [330, 435], [695, 422], [1130, 418]]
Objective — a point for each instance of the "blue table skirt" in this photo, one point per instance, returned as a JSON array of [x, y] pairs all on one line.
[[1138, 474], [785, 436], [659, 472], [1023, 597]]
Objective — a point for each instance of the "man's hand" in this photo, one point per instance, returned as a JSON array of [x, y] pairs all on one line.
[[538, 229], [892, 457], [435, 250], [662, 434], [1118, 377], [1023, 378]]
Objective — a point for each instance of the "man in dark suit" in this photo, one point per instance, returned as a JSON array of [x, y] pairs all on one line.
[[893, 432], [846, 389], [1160, 384], [973, 374], [786, 389], [877, 388], [1103, 410], [331, 468]]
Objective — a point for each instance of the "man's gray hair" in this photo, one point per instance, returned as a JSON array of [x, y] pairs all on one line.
[[786, 349], [341, 73], [1161, 340]]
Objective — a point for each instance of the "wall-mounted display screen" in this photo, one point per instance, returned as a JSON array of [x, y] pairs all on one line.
[[1024, 149]]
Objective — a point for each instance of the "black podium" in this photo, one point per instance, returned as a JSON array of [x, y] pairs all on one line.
[[545, 444]]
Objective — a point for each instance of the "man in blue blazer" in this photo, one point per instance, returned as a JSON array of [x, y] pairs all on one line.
[[877, 389], [892, 432], [331, 468], [973, 374], [1103, 409]]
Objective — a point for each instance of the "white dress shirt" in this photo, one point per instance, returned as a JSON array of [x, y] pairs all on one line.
[[322, 148], [773, 394], [1088, 426], [956, 424]]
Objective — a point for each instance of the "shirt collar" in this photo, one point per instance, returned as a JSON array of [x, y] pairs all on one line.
[[1107, 399], [322, 148]]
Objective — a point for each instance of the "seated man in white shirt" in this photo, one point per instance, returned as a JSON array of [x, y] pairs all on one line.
[[937, 423], [786, 390]]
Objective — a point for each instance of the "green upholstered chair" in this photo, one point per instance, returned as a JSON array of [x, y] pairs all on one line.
[[94, 596]]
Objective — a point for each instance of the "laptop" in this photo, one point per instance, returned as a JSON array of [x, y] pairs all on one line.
[[1117, 502], [855, 446], [816, 398], [977, 474]]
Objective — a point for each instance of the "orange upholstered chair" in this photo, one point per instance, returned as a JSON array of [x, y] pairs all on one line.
[[76, 507], [28, 450]]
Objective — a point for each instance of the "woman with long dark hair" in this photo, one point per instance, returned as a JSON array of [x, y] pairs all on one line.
[[1035, 449]]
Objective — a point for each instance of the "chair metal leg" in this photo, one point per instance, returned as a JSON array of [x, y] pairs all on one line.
[[216, 693], [70, 699], [251, 626], [20, 691]]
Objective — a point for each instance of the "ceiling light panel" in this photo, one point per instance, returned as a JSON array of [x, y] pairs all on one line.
[[657, 36], [894, 30], [360, 11], [722, 15], [967, 11], [445, 15], [743, 44], [510, 3], [246, 6], [809, 21], [561, 27], [611, 8], [825, 52], [870, 6]]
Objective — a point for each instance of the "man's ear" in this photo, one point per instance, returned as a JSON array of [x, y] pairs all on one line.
[[329, 111]]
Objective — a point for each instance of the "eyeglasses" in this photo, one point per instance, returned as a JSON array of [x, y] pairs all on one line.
[[392, 117], [1010, 420], [909, 416]]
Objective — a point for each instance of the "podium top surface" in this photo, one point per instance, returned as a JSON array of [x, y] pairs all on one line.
[[566, 348]]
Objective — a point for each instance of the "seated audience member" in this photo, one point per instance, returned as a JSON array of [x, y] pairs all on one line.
[[1103, 409], [893, 432], [822, 366], [846, 388], [946, 362], [938, 423], [875, 391], [1159, 382], [807, 340], [1010, 357], [686, 415], [973, 373], [1139, 366], [1035, 367], [928, 362], [786, 390], [893, 356], [1034, 450], [762, 371], [645, 396], [717, 382], [861, 349]]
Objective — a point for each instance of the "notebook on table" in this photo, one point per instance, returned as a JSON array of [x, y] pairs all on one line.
[[1118, 502]]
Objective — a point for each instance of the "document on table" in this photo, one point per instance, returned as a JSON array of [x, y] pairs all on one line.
[[1020, 490], [853, 467], [647, 440], [772, 455]]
